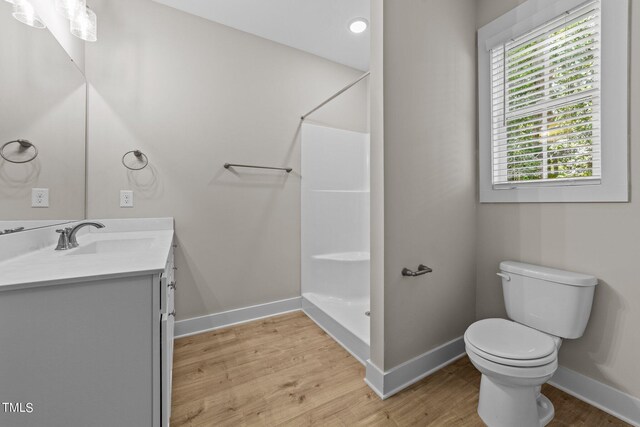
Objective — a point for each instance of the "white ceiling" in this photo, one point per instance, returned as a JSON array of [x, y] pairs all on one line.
[[316, 26]]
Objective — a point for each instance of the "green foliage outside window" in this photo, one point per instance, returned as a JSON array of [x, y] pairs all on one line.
[[556, 140]]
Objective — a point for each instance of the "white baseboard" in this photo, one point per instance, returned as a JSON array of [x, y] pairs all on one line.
[[348, 340], [388, 383], [604, 397], [374, 378], [196, 325]]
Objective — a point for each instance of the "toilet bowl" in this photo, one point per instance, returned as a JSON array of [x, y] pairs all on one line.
[[514, 361], [517, 356]]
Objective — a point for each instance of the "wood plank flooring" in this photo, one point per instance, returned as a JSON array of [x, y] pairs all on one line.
[[286, 371]]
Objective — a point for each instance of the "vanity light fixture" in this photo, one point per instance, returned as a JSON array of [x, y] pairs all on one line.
[[83, 22], [70, 8], [24, 12], [85, 25], [358, 25]]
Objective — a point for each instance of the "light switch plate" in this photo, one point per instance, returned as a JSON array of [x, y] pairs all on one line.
[[39, 197], [126, 198]]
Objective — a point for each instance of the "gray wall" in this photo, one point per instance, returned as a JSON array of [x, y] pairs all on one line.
[[429, 173], [600, 239], [376, 87], [193, 95]]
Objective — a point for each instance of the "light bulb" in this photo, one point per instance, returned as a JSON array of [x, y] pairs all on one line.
[[85, 25], [358, 25], [70, 8], [24, 12]]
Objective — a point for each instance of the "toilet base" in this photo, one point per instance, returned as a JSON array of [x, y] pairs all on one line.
[[504, 405]]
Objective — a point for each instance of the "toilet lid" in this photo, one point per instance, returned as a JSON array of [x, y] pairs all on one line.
[[509, 340]]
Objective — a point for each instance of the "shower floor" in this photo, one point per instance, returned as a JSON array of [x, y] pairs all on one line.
[[350, 313]]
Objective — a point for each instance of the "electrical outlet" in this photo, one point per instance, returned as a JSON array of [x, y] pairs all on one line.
[[39, 197], [126, 198]]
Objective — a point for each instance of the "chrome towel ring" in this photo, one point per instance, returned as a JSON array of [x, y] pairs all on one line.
[[24, 145], [141, 158]]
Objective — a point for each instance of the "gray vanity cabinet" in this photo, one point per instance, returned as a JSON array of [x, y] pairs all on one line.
[[90, 352]]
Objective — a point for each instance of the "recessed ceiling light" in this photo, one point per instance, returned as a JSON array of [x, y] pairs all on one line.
[[358, 25]]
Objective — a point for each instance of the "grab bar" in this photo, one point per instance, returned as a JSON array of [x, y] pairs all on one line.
[[229, 165], [422, 269]]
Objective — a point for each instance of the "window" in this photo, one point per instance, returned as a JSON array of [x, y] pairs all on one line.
[[551, 127], [545, 102]]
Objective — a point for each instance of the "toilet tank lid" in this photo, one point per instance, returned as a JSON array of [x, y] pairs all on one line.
[[548, 274]]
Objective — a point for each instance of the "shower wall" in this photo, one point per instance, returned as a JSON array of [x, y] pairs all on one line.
[[335, 224]]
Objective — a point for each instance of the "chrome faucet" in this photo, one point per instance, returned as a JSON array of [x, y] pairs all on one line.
[[68, 239]]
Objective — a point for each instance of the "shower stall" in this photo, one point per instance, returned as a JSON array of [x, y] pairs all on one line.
[[335, 234]]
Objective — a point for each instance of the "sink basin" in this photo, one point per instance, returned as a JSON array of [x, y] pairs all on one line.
[[107, 247]]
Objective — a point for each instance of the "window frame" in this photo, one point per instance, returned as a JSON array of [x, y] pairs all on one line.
[[613, 186]]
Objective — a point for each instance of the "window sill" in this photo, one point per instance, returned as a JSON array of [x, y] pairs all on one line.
[[591, 193]]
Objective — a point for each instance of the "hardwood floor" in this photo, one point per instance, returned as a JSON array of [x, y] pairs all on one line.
[[285, 371]]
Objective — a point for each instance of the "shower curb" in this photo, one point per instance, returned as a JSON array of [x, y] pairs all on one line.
[[350, 342]]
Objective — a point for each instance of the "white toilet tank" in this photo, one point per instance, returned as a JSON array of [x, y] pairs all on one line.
[[554, 301]]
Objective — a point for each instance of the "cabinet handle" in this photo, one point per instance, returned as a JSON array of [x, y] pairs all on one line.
[[173, 313]]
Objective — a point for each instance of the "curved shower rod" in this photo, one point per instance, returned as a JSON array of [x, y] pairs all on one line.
[[337, 94]]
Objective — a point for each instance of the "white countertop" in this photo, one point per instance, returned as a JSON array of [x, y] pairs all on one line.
[[46, 266]]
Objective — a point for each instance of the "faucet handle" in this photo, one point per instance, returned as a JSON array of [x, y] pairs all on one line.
[[63, 241], [65, 230]]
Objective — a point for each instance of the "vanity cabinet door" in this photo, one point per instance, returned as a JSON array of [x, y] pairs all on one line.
[[167, 328], [166, 372], [167, 321], [163, 292], [167, 285], [80, 353]]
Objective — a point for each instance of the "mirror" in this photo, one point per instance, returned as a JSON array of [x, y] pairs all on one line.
[[43, 111]]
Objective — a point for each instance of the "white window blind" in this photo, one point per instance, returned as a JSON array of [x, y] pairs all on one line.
[[545, 103]]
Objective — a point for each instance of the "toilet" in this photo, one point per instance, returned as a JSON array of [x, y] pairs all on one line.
[[517, 356]]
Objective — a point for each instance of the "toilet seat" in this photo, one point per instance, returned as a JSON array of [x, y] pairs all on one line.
[[513, 375], [532, 363], [511, 344]]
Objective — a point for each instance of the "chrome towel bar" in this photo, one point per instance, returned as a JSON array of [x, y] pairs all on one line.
[[422, 269], [234, 165]]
